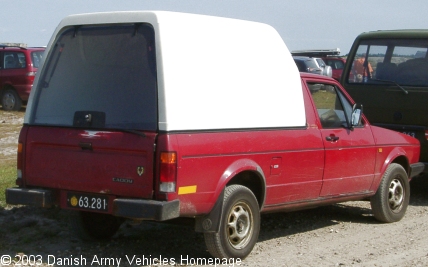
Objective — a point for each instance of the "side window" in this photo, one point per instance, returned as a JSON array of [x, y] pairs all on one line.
[[365, 63], [380, 62], [334, 110], [14, 60], [411, 66], [36, 57], [21, 60]]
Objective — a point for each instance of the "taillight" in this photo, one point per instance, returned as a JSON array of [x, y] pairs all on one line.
[[20, 160], [168, 172], [426, 134], [19, 164], [31, 75]]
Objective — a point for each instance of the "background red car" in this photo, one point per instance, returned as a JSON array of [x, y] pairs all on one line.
[[337, 64], [18, 67]]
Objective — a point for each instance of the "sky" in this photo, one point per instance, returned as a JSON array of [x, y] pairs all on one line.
[[302, 24]]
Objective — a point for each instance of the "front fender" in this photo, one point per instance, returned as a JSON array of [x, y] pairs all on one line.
[[398, 155]]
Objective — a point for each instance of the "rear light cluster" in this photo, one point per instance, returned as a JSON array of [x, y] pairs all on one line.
[[31, 75], [426, 134], [19, 164], [168, 172]]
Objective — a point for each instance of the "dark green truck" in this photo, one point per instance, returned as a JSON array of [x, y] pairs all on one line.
[[387, 71]]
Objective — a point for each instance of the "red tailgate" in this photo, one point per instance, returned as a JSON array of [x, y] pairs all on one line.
[[113, 162]]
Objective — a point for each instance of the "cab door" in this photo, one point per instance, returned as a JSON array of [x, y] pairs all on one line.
[[349, 152]]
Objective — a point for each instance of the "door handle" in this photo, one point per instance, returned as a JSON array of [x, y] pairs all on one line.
[[332, 138], [85, 146]]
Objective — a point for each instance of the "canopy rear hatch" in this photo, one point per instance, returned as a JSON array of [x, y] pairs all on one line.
[[111, 162], [93, 122]]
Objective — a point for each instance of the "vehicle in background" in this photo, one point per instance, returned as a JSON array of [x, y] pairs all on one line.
[[326, 69], [337, 64], [387, 71], [18, 67], [307, 64], [330, 69]]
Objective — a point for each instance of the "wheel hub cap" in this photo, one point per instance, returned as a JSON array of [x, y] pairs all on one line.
[[8, 101], [239, 227], [396, 195]]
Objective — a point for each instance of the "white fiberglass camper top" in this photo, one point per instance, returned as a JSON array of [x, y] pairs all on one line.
[[212, 72]]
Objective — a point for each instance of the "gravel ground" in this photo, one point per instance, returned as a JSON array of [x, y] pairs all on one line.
[[338, 235]]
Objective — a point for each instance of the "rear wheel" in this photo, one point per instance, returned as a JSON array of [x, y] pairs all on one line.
[[10, 100], [94, 226], [239, 226], [390, 202]]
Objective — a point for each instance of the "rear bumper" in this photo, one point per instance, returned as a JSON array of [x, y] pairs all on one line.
[[418, 168], [146, 209], [34, 197], [139, 209]]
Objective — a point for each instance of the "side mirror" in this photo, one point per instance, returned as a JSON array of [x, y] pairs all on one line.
[[328, 71], [357, 114]]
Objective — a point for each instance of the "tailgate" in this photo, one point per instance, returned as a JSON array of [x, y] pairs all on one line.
[[112, 162]]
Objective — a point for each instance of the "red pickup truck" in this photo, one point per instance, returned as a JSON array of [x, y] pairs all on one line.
[[124, 122]]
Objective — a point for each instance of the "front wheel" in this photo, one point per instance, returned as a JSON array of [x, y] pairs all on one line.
[[94, 226], [239, 226], [390, 202]]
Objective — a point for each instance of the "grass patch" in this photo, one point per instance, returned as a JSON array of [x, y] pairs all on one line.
[[7, 179]]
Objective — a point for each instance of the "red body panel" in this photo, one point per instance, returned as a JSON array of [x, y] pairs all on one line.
[[54, 158], [209, 160], [295, 166], [350, 161]]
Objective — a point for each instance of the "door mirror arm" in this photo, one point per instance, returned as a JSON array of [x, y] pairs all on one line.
[[357, 114]]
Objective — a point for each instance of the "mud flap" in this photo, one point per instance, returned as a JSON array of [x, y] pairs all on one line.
[[210, 223]]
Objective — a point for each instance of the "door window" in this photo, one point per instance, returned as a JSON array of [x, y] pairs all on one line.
[[334, 110]]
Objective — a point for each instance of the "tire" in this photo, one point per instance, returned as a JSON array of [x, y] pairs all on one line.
[[390, 202], [94, 226], [10, 100], [239, 226]]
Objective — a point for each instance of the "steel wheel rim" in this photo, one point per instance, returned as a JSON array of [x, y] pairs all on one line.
[[239, 225], [396, 195], [8, 101]]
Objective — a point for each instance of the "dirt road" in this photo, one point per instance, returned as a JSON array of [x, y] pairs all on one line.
[[338, 235]]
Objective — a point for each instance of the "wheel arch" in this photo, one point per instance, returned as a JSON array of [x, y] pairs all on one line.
[[404, 162], [248, 173], [253, 181], [245, 172], [6, 86], [397, 155]]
